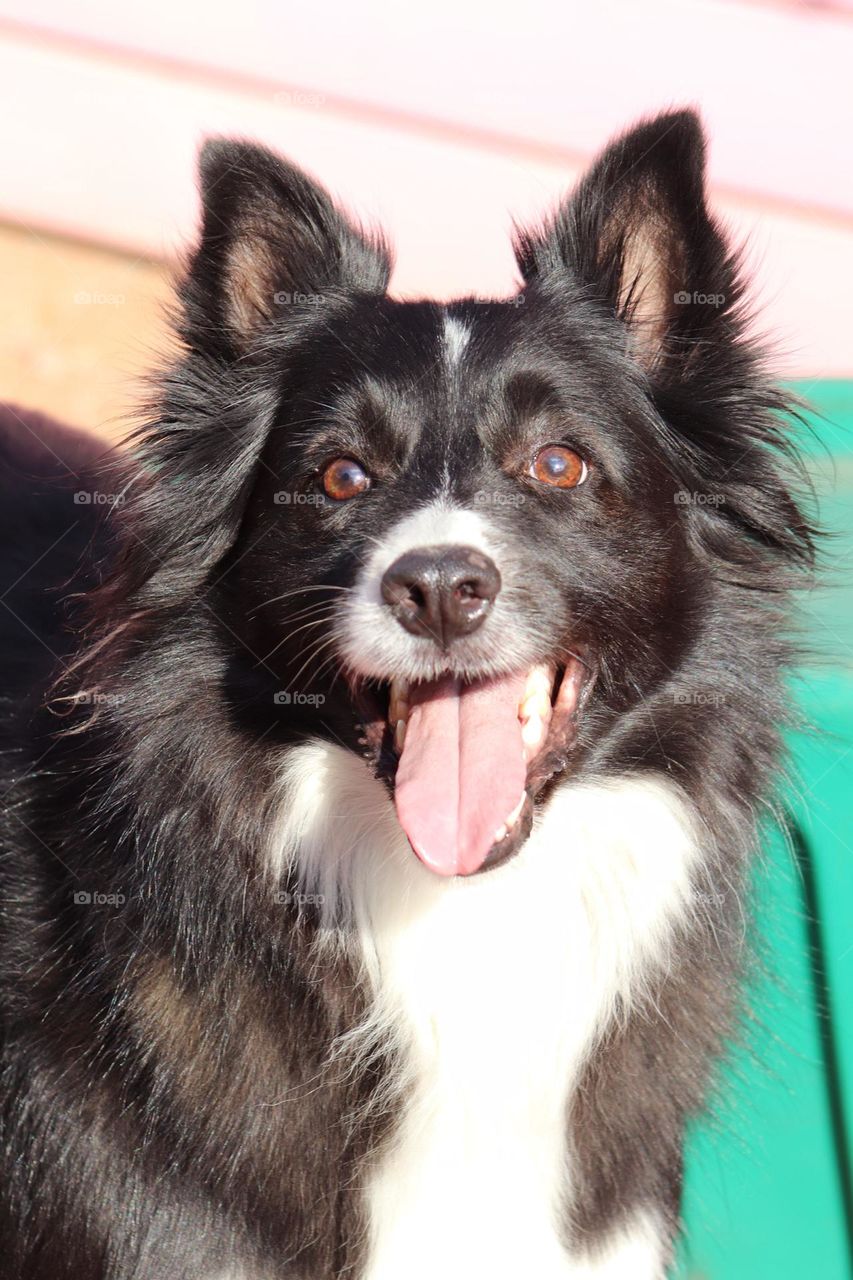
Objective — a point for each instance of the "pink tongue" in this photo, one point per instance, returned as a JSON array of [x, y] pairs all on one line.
[[462, 770]]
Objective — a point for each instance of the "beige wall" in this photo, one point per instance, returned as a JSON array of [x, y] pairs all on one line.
[[80, 326]]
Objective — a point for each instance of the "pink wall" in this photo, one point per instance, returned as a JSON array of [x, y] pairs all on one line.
[[442, 121]]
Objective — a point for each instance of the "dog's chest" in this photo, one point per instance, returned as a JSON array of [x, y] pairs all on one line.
[[478, 995], [491, 991], [495, 989]]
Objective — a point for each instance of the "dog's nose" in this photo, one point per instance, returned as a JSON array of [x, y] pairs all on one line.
[[442, 593]]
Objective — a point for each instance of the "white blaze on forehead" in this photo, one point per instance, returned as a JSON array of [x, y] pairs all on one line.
[[456, 338]]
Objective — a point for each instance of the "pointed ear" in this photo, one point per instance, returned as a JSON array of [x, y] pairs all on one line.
[[268, 233], [637, 235]]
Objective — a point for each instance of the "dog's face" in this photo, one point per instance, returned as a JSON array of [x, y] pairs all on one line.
[[475, 490], [462, 552]]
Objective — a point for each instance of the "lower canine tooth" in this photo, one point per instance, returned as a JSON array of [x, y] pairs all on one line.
[[499, 834], [399, 736], [398, 710], [516, 813], [398, 701]]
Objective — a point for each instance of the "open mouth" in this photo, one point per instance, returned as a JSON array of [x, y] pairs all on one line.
[[468, 759]]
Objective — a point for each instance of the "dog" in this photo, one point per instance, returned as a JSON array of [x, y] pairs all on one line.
[[385, 731]]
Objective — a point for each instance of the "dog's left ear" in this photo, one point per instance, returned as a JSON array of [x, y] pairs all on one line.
[[636, 234], [270, 235]]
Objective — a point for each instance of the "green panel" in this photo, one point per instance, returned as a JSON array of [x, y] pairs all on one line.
[[767, 1193]]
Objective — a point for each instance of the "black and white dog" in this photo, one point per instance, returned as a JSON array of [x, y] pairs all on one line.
[[381, 772]]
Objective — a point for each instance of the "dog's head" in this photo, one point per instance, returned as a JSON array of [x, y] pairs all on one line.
[[473, 543]]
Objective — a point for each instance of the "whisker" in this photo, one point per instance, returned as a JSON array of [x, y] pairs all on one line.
[[578, 657], [324, 606], [325, 666], [295, 591], [314, 654], [317, 622]]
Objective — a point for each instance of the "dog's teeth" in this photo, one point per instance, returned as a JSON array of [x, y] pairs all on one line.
[[400, 689], [398, 711], [510, 822], [399, 736], [536, 699], [536, 704], [516, 813], [532, 731], [398, 701], [539, 679]]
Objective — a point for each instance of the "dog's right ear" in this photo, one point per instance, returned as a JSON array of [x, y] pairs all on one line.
[[637, 235], [268, 233]]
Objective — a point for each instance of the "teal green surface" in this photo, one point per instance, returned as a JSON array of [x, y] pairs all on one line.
[[765, 1194]]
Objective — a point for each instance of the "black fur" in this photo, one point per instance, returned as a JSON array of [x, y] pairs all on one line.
[[169, 1105]]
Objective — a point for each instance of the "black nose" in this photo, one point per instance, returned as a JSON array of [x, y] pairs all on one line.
[[442, 593]]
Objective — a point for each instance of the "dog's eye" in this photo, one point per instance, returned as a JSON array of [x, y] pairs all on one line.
[[558, 465], [345, 478]]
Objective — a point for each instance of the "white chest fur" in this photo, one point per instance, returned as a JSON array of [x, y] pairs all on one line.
[[492, 989]]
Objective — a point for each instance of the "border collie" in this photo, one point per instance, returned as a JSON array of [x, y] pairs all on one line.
[[385, 733]]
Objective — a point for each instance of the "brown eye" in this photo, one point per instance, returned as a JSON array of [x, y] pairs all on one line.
[[345, 478], [558, 465]]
